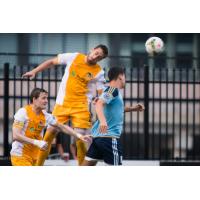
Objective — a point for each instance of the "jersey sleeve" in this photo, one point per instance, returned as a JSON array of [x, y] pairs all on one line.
[[20, 118], [109, 94], [50, 119], [66, 58], [100, 80]]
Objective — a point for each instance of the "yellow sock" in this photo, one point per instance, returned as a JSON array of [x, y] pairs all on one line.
[[49, 136], [81, 151]]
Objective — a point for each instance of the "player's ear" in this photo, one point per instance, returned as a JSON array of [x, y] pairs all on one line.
[[34, 98]]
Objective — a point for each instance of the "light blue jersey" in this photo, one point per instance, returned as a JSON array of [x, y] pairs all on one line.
[[113, 111]]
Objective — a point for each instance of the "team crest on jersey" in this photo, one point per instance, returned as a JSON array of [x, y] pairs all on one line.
[[32, 129], [108, 95], [41, 125], [73, 73], [18, 123], [89, 76]]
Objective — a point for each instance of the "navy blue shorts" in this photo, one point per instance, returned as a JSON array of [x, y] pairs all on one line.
[[106, 149]]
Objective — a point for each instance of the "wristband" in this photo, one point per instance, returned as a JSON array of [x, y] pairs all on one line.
[[36, 142], [78, 135]]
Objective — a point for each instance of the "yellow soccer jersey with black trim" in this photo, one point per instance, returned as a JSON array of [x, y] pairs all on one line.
[[78, 80], [31, 126]]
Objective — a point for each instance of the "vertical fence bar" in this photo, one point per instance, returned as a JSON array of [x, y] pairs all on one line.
[[124, 128], [166, 128], [187, 100], [146, 113], [28, 84], [159, 132], [173, 114], [153, 116], [193, 124], [14, 89], [138, 96], [6, 110], [42, 79], [180, 114], [35, 81], [21, 87], [131, 113], [49, 90], [198, 85], [56, 80]]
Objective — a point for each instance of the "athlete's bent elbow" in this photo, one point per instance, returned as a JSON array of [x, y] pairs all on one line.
[[15, 136], [54, 61]]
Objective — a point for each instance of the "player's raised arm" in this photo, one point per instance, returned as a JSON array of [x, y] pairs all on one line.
[[45, 65]]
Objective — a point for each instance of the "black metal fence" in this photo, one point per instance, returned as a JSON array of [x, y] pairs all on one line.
[[168, 129]]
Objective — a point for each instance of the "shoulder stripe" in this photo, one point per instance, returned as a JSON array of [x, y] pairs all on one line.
[[111, 90]]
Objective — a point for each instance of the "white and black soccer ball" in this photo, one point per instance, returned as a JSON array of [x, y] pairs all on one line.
[[154, 45]]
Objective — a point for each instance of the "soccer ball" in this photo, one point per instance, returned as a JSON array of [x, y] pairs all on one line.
[[154, 45]]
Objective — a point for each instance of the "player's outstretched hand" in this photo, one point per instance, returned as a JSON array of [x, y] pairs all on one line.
[[30, 75], [86, 138], [139, 107]]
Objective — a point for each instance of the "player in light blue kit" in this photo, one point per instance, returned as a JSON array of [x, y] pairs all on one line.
[[107, 129]]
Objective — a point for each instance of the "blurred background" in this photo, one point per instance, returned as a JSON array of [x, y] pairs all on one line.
[[168, 85]]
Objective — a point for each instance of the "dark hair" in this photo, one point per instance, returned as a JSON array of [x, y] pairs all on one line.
[[114, 72], [104, 49], [36, 93]]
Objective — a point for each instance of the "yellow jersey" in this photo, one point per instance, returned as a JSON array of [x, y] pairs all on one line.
[[32, 126], [79, 79]]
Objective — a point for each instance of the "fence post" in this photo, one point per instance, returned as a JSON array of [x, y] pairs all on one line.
[[146, 112], [6, 110]]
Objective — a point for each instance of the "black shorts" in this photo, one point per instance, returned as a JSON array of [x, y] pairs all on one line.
[[106, 149]]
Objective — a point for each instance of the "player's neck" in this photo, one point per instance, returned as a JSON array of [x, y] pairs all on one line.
[[114, 84], [88, 63], [36, 109]]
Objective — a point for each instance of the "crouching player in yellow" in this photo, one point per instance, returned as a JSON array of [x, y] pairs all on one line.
[[28, 126]]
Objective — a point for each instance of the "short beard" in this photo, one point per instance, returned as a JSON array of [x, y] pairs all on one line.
[[90, 62]]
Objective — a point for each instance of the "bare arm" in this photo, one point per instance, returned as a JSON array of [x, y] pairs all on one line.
[[99, 92], [45, 65], [68, 130], [137, 107], [95, 99], [99, 106], [23, 139]]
